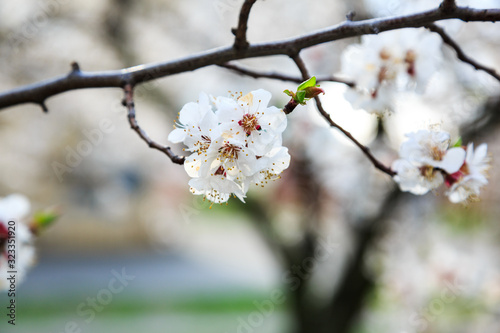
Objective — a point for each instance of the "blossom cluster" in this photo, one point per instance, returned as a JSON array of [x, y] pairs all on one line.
[[16, 239], [388, 63], [234, 143], [427, 161]]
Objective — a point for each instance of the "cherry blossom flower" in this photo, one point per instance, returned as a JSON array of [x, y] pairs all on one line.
[[392, 61], [231, 155], [14, 208], [233, 142], [195, 122], [272, 165], [432, 148], [465, 184], [217, 188], [251, 120], [424, 158]]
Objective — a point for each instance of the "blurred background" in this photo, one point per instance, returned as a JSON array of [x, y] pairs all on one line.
[[331, 247]]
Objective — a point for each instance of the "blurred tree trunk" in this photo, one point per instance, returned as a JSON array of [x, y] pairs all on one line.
[[348, 299]]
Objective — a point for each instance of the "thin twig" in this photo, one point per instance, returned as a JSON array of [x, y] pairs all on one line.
[[240, 42], [39, 92], [350, 16], [354, 285], [379, 165], [460, 53], [282, 77], [128, 101]]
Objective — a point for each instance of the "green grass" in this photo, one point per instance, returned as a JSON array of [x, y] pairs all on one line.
[[204, 304]]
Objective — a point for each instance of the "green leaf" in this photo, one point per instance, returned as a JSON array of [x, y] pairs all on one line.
[[44, 219], [300, 97], [306, 84], [289, 93], [458, 143]]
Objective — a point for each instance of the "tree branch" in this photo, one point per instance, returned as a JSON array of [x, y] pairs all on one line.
[[355, 284], [448, 5], [39, 92], [240, 42], [128, 101], [282, 77], [458, 50], [376, 163]]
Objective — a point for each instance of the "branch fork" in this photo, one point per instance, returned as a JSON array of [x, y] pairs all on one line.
[[128, 102]]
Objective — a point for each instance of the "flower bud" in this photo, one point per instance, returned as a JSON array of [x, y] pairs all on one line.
[[312, 92]]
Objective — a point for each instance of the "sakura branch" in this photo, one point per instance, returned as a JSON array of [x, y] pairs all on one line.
[[240, 32], [376, 163], [39, 92], [460, 53], [238, 142], [282, 77], [448, 5], [128, 102]]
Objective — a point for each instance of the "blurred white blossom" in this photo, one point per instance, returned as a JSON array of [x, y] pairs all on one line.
[[465, 184], [14, 236], [388, 63], [424, 157], [427, 161]]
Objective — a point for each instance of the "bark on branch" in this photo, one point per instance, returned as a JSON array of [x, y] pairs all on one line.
[[282, 77], [240, 32], [460, 53], [376, 163], [39, 92], [128, 102]]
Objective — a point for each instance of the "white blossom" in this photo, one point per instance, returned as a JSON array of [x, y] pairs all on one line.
[[387, 63], [217, 188], [228, 155], [195, 122], [272, 165], [467, 182], [432, 148], [14, 208], [424, 158], [250, 119], [234, 142], [414, 179]]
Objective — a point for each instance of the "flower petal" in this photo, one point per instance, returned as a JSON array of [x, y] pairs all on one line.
[[452, 160]]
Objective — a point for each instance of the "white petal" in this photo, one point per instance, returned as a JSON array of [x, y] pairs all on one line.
[[192, 165], [228, 111], [14, 206], [190, 114], [408, 177], [177, 135], [480, 154], [273, 119], [260, 101], [453, 160], [208, 123]]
